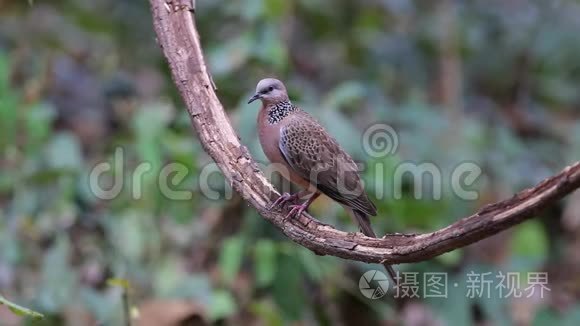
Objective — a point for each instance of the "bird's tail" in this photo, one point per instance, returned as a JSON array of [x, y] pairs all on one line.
[[364, 223]]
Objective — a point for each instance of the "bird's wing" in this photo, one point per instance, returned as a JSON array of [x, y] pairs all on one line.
[[316, 156]]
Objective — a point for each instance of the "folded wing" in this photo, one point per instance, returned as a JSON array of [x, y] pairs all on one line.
[[316, 156]]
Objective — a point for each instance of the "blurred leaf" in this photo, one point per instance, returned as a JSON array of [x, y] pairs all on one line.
[[194, 286], [8, 106], [451, 258], [496, 307], [267, 312], [271, 49], [265, 262], [311, 263], [222, 305], [19, 310], [276, 9], [129, 235], [422, 214], [455, 308], [548, 316], [152, 120], [58, 279], [529, 241], [11, 249], [64, 152], [287, 289], [120, 282], [103, 305], [250, 10], [231, 55], [169, 276], [230, 258], [149, 124], [39, 120], [344, 94]]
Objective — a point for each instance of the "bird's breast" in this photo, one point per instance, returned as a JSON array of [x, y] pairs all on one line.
[[269, 135]]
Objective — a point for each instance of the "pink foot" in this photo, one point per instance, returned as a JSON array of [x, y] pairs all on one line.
[[296, 210], [283, 199]]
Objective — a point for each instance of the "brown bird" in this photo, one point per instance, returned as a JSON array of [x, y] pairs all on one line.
[[304, 153]]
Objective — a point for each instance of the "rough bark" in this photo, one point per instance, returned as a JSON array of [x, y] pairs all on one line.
[[174, 24]]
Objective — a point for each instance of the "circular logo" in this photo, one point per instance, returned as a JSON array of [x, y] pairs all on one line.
[[373, 284], [380, 140]]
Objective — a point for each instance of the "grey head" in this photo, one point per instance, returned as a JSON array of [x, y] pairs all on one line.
[[270, 91]]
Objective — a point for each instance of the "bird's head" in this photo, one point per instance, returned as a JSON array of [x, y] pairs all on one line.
[[270, 91]]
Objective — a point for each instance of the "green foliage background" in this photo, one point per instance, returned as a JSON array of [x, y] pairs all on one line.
[[491, 82]]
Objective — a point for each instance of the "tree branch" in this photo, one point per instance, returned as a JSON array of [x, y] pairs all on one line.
[[177, 35]]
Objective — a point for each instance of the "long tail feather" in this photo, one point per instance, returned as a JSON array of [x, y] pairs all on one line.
[[364, 223]]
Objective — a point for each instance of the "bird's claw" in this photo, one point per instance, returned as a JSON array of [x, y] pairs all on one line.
[[296, 210], [283, 199]]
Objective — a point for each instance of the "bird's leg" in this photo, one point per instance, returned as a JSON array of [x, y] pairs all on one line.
[[296, 210], [286, 197]]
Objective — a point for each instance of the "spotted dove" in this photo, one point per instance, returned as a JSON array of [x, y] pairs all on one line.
[[308, 156]]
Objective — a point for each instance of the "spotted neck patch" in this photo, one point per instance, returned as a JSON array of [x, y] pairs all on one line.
[[279, 111]]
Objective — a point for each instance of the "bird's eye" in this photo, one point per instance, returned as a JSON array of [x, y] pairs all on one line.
[[270, 89]]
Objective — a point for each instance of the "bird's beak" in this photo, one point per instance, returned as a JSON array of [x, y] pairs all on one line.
[[255, 97]]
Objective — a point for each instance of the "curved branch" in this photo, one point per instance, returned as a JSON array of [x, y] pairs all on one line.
[[177, 35]]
